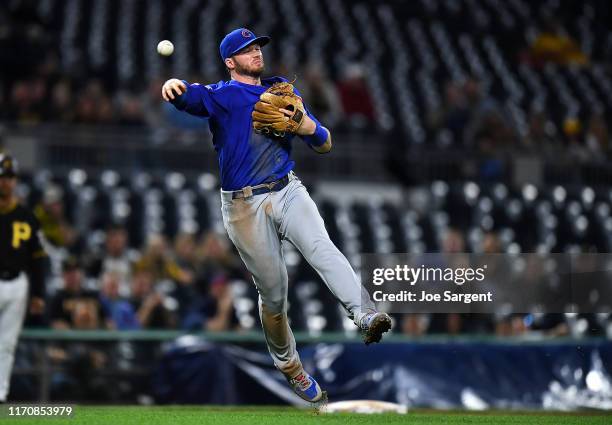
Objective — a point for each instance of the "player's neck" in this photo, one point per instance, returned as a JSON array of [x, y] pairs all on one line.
[[246, 79]]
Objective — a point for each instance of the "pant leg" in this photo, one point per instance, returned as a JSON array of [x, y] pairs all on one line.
[[303, 226], [251, 228], [13, 299]]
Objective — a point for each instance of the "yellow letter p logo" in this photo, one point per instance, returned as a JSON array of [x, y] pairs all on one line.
[[21, 232]]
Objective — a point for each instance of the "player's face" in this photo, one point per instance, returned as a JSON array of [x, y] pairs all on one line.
[[115, 242], [249, 61], [7, 187], [72, 280]]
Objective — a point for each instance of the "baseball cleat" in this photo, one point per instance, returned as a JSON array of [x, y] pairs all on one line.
[[374, 325], [306, 387]]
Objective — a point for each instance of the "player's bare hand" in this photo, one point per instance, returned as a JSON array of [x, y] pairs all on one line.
[[37, 306], [286, 112], [172, 89], [308, 126]]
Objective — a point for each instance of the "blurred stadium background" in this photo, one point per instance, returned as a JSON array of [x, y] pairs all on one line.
[[459, 126]]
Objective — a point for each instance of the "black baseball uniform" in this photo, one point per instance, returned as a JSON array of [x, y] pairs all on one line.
[[21, 256], [20, 248]]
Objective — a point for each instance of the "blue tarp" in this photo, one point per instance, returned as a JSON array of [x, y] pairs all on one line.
[[437, 375]]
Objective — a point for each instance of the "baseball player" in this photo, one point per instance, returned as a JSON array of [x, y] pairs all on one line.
[[263, 202], [21, 254]]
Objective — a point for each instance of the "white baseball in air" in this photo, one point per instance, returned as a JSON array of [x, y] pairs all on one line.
[[165, 47]]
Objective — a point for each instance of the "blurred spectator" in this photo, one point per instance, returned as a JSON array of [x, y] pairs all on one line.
[[487, 129], [357, 103], [85, 317], [185, 252], [210, 302], [453, 115], [320, 95], [452, 243], [491, 243], [539, 137], [130, 110], [81, 362], [550, 324], [597, 137], [79, 366], [149, 304], [158, 260], [215, 256], [61, 107], [81, 376], [513, 325], [553, 44], [414, 324], [93, 105], [120, 312], [26, 99], [576, 149], [116, 258], [74, 307], [214, 310], [221, 315], [497, 268], [53, 222]]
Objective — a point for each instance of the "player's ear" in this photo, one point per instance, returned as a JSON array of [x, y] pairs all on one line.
[[229, 63]]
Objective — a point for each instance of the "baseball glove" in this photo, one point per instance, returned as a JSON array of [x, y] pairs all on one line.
[[269, 120]]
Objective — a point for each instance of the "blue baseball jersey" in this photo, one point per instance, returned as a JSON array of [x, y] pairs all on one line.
[[245, 157]]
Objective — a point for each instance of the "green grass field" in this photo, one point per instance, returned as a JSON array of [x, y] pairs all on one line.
[[187, 415]]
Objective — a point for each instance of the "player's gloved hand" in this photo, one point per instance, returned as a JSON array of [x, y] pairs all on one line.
[[279, 111], [172, 89]]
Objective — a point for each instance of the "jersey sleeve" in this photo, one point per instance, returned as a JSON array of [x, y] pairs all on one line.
[[202, 101]]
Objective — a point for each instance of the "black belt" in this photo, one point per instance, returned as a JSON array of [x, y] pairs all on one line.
[[8, 275], [249, 191]]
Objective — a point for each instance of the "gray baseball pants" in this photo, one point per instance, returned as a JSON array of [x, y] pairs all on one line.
[[257, 225], [13, 300]]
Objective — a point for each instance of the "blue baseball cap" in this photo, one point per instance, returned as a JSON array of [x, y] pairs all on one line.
[[238, 40]]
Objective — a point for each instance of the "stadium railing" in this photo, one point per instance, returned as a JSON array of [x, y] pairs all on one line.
[[43, 368], [379, 157]]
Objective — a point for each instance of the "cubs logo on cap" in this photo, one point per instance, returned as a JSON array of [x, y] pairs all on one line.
[[235, 41]]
